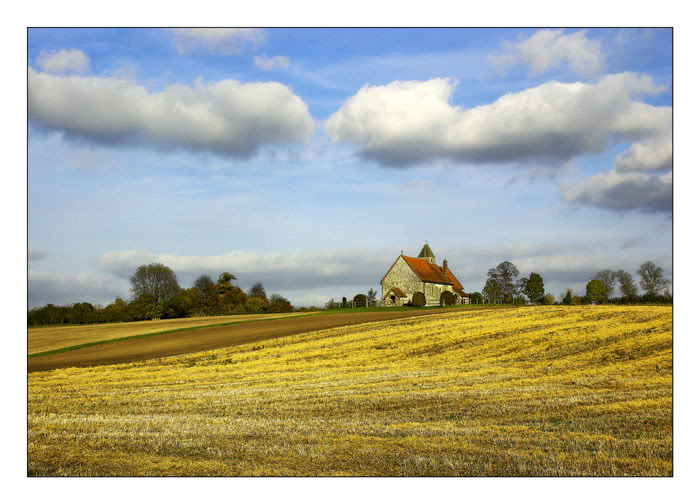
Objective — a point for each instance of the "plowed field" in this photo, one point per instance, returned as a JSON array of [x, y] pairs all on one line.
[[210, 338]]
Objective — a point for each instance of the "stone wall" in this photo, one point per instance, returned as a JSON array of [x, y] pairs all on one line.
[[403, 277]]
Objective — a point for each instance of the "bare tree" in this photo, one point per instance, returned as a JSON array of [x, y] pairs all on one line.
[[652, 278], [505, 274], [258, 291], [627, 286], [155, 280]]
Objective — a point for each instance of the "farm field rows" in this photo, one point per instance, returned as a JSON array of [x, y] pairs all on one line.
[[202, 338], [41, 339], [546, 391]]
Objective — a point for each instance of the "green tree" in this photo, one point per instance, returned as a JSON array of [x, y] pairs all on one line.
[[596, 291], [476, 298], [652, 279], [224, 283], [567, 299], [371, 296], [255, 305], [360, 300], [505, 274], [548, 299], [155, 280], [627, 286], [206, 298], [279, 304], [492, 291], [534, 288], [609, 279]]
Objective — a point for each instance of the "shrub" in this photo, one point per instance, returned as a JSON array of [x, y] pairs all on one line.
[[360, 300], [447, 298], [418, 299]]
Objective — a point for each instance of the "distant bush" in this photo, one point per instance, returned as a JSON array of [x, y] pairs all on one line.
[[360, 300], [255, 305], [418, 299]]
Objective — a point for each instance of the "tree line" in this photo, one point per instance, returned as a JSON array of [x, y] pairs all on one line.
[[156, 294], [503, 286]]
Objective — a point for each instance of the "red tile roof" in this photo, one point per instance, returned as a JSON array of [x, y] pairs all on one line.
[[429, 272], [398, 292]]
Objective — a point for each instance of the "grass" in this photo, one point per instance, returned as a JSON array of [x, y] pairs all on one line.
[[546, 391]]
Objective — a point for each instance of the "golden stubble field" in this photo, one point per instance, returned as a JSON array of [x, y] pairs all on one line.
[[546, 391]]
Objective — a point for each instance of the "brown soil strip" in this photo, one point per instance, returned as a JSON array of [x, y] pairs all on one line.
[[212, 338]]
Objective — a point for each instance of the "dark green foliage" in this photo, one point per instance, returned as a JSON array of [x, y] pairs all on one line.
[[492, 291], [476, 298], [418, 299], [596, 291], [279, 304], [256, 305], [567, 299], [548, 299], [609, 279], [372, 295], [534, 288], [360, 300]]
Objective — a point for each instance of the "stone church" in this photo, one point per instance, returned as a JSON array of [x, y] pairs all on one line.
[[409, 277]]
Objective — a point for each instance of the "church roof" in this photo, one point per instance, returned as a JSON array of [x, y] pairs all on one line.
[[426, 252], [429, 272]]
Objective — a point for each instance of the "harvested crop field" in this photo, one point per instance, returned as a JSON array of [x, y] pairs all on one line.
[[546, 391], [207, 338], [41, 339]]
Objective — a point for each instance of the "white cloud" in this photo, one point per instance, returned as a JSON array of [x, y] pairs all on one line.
[[405, 123], [227, 117], [655, 154], [35, 253], [44, 288], [219, 40], [272, 63], [63, 61], [548, 49]]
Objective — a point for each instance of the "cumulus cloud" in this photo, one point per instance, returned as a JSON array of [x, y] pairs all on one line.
[[63, 61], [548, 49], [654, 154], [218, 40], [227, 117], [44, 288], [272, 63], [35, 253], [410, 122], [621, 191]]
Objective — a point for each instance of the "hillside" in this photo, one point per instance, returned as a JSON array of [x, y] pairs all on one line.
[[532, 391]]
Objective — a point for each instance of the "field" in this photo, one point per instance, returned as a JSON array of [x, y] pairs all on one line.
[[42, 339], [546, 391]]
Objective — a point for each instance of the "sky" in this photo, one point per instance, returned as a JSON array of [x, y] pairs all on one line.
[[309, 159]]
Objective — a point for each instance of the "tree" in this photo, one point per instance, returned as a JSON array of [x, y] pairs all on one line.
[[652, 279], [548, 299], [492, 291], [155, 280], [255, 305], [371, 296], [279, 304], [205, 294], [596, 291], [257, 291], [476, 298], [505, 274], [627, 286], [534, 288], [609, 279], [567, 299]]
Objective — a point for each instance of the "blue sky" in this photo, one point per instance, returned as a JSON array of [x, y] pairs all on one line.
[[310, 158]]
